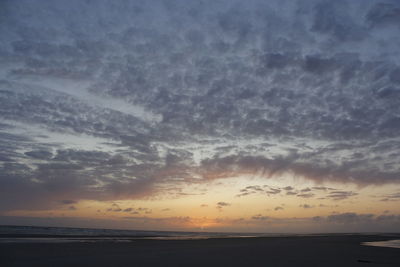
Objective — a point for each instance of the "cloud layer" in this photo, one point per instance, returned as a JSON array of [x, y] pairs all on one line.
[[119, 99]]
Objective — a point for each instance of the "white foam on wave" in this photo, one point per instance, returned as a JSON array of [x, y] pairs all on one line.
[[388, 244]]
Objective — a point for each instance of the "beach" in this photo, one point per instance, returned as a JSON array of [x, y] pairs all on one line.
[[329, 250]]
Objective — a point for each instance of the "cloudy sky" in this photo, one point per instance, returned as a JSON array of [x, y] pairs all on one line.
[[270, 116]]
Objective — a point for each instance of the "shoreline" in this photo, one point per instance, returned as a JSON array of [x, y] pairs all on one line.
[[188, 236], [336, 250]]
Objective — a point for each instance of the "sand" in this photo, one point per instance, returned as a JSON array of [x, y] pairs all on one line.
[[338, 250]]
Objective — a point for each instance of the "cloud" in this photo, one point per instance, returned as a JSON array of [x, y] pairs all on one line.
[[266, 189], [350, 218], [340, 195], [294, 163], [305, 190], [333, 20], [260, 217], [222, 204], [278, 208], [40, 154], [92, 107], [114, 207], [331, 193], [306, 195], [252, 189], [68, 202], [272, 191], [327, 206], [322, 188], [382, 14], [391, 197], [306, 206]]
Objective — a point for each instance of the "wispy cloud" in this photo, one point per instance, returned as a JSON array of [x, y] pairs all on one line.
[[221, 205]]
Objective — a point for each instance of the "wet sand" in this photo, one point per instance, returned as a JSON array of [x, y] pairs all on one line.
[[338, 250]]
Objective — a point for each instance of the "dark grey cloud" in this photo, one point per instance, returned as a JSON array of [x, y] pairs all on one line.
[[127, 210], [340, 222], [306, 206], [333, 19], [39, 154], [307, 192], [327, 206], [269, 190], [382, 14], [350, 218], [251, 189], [260, 217], [391, 197], [272, 191], [91, 106], [346, 171], [340, 195], [307, 189], [67, 202], [222, 204], [306, 195], [114, 207], [132, 210], [323, 188]]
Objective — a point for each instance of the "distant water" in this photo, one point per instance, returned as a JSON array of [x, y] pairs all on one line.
[[66, 234], [39, 234], [388, 244]]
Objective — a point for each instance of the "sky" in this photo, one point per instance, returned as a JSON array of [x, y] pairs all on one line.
[[224, 115]]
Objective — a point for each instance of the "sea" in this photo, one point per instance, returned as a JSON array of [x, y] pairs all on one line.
[[42, 234], [66, 234]]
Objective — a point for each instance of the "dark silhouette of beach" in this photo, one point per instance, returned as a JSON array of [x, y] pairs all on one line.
[[330, 250]]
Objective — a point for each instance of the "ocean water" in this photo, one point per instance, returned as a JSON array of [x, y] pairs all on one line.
[[388, 244], [66, 234], [40, 234]]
